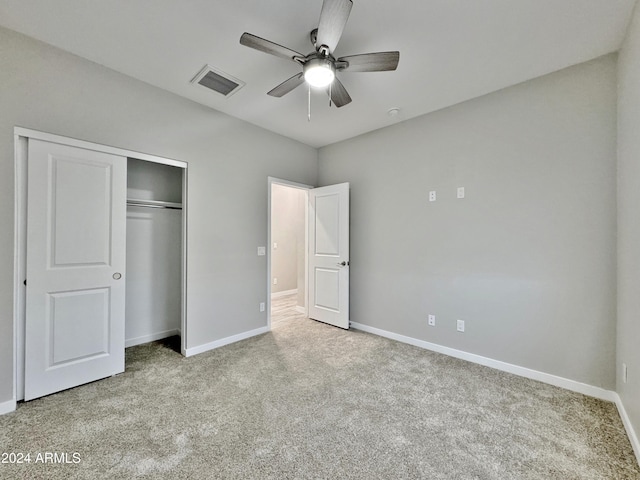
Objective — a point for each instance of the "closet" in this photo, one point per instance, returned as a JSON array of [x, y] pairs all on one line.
[[100, 258], [154, 251]]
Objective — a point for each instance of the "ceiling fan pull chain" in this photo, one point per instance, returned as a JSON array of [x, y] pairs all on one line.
[[309, 106], [330, 94]]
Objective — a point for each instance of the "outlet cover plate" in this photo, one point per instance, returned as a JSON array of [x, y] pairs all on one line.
[[460, 325]]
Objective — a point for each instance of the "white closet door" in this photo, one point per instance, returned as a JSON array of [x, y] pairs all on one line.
[[76, 243]]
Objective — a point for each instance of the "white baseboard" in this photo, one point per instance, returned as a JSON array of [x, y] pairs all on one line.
[[631, 433], [561, 382], [132, 342], [189, 352], [7, 407], [300, 309], [284, 293]]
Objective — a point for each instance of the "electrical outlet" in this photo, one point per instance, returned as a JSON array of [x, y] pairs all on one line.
[[432, 320], [460, 325], [262, 306], [275, 280], [432, 196], [460, 192], [624, 373]]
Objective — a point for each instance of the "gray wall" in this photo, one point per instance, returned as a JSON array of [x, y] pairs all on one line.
[[287, 230], [153, 280], [528, 258], [629, 221], [46, 89]]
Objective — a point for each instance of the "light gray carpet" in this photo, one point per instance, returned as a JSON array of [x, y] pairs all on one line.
[[313, 401]]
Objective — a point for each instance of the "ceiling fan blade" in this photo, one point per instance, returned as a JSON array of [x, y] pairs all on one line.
[[333, 18], [251, 41], [288, 85], [339, 94], [371, 62]]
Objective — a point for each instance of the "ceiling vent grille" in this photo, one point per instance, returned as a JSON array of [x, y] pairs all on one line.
[[218, 81]]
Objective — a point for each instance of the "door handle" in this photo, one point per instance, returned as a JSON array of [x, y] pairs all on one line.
[[117, 276], [343, 264]]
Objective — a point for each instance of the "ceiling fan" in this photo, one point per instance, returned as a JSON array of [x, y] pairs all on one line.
[[319, 68]]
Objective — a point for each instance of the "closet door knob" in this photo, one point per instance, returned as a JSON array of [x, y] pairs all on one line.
[[117, 276]]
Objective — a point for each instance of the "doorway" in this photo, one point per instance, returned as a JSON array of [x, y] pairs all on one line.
[[154, 247], [326, 247], [287, 236]]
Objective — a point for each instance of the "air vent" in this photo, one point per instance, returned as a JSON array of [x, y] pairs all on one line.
[[213, 79]]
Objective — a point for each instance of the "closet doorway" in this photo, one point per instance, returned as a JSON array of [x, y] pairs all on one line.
[[154, 251], [88, 215]]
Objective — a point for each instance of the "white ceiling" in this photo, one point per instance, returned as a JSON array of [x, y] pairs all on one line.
[[450, 50]]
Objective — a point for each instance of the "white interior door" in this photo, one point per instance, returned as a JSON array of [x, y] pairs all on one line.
[[76, 241], [329, 254]]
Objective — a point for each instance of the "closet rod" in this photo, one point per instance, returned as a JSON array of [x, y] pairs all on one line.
[[154, 204]]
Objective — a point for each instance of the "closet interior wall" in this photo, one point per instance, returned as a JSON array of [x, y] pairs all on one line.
[[154, 251]]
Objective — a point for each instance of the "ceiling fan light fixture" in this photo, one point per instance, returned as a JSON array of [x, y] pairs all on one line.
[[319, 72], [319, 67]]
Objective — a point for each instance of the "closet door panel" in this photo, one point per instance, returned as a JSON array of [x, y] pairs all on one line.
[[76, 244]]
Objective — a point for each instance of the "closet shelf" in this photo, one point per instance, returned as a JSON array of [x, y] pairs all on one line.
[[153, 204]]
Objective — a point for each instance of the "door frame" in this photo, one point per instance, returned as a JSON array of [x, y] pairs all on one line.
[[21, 137], [301, 186]]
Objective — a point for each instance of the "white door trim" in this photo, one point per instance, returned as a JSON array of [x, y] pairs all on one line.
[[21, 136], [74, 142], [19, 264], [185, 214], [278, 181]]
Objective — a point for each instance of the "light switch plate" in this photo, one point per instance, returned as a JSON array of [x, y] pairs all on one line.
[[262, 251], [460, 325]]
